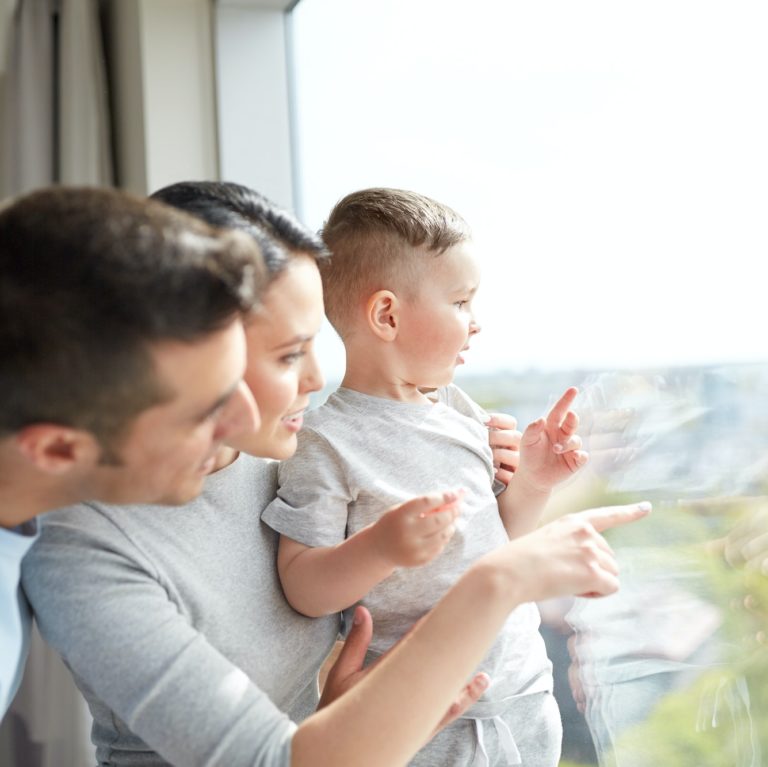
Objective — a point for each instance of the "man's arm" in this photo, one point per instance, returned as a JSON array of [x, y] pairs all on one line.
[[348, 670], [101, 607], [327, 579]]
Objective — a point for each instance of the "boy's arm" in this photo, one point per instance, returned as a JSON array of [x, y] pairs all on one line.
[[550, 452], [389, 714], [327, 579]]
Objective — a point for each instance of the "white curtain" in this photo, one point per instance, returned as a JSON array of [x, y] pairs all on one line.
[[56, 114]]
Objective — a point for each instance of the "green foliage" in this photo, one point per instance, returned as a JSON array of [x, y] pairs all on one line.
[[707, 725], [720, 719]]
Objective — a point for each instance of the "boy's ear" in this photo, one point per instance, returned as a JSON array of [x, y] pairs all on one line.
[[57, 449], [383, 314]]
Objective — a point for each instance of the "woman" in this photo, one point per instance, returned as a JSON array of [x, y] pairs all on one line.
[[176, 630]]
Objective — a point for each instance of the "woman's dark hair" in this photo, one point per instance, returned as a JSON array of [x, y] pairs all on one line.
[[226, 204]]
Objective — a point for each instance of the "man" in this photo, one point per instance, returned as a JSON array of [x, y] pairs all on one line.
[[121, 362]]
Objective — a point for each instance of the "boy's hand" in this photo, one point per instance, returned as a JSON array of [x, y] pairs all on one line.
[[348, 671], [550, 450], [504, 439], [415, 532]]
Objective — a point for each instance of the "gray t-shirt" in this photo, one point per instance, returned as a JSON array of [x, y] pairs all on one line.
[[175, 627], [358, 455]]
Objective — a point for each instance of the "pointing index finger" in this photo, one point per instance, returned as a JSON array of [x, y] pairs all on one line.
[[613, 516], [559, 410]]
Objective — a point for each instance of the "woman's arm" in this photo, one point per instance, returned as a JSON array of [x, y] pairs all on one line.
[[389, 715]]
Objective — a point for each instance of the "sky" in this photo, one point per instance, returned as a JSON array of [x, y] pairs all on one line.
[[610, 157]]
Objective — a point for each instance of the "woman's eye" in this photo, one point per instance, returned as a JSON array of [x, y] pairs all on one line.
[[289, 359]]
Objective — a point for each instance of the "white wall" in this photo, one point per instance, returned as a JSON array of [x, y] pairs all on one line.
[[253, 100], [161, 58], [180, 102]]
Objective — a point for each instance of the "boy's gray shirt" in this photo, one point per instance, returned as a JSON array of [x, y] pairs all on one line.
[[359, 455], [175, 627]]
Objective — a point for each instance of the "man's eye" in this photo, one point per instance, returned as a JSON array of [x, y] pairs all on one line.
[[212, 415], [289, 359]]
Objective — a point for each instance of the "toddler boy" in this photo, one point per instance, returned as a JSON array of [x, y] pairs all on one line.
[[399, 290]]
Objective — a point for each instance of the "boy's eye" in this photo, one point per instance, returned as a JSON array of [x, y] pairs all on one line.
[[459, 304]]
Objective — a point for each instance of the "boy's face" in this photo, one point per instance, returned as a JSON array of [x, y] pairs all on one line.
[[438, 322]]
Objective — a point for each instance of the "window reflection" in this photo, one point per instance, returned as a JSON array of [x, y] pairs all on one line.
[[672, 669]]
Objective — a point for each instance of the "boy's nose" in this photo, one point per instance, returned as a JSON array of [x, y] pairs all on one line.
[[474, 327]]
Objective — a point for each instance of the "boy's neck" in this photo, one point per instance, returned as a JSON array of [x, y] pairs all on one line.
[[378, 383]]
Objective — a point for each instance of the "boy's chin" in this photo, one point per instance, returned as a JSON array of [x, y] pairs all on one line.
[[437, 383]]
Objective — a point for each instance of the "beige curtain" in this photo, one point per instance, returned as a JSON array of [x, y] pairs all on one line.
[[55, 129], [55, 115], [48, 723]]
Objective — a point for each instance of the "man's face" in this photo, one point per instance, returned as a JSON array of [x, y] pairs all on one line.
[[169, 448]]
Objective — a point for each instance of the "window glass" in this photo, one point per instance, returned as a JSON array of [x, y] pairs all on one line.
[[611, 159]]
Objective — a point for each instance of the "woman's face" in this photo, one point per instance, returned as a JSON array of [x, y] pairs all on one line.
[[282, 370]]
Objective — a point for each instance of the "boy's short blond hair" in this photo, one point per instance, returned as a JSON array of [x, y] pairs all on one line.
[[379, 239]]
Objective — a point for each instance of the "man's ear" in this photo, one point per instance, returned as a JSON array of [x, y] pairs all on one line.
[[383, 314], [57, 449]]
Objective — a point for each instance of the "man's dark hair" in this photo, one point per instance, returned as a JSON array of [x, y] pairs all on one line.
[[230, 205], [89, 280]]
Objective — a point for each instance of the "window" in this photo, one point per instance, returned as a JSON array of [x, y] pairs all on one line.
[[611, 159]]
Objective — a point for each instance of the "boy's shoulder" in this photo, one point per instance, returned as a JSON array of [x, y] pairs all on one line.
[[456, 398], [344, 411], [348, 405], [340, 412]]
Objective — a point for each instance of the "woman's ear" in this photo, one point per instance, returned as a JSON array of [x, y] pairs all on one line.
[[57, 449], [383, 314]]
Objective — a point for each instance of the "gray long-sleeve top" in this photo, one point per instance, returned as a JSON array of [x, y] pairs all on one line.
[[175, 627]]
